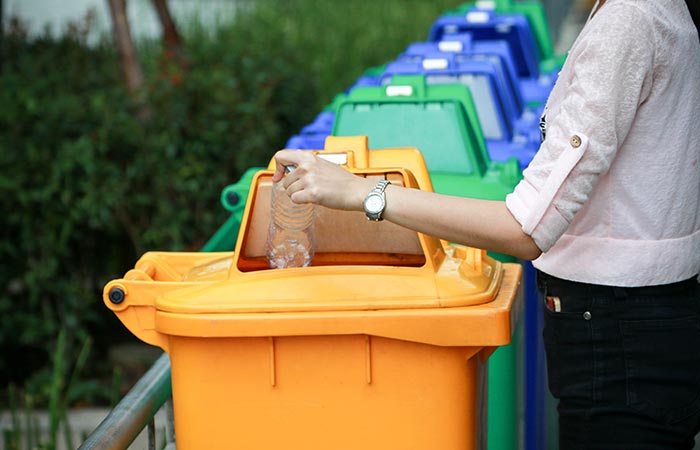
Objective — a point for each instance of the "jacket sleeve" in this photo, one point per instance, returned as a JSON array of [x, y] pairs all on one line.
[[607, 75]]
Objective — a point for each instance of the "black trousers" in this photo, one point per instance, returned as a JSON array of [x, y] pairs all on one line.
[[624, 364]]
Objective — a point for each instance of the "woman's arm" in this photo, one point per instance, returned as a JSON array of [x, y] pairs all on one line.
[[476, 223]]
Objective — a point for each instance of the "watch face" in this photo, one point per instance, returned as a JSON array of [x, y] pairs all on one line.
[[374, 203]]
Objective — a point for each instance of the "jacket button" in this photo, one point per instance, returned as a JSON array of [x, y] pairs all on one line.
[[575, 141], [587, 315]]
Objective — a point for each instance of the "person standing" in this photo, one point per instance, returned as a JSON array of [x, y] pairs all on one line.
[[609, 210]]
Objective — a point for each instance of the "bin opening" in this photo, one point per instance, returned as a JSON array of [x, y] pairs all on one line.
[[342, 237]]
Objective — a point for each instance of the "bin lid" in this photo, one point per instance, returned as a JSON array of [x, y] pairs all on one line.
[[358, 264], [480, 75], [462, 47], [532, 10], [486, 25], [439, 119], [464, 277], [388, 281]]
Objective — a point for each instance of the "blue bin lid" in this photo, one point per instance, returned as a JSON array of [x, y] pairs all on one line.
[[307, 142], [481, 76], [323, 123], [462, 45], [489, 26], [365, 80], [500, 50]]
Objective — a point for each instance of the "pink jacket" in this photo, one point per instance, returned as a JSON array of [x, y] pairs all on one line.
[[613, 195]]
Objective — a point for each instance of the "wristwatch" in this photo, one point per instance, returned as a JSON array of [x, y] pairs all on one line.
[[375, 202]]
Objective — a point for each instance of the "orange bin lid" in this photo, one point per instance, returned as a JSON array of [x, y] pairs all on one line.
[[464, 277], [367, 277]]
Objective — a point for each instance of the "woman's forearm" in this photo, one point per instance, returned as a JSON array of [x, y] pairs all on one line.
[[476, 223], [473, 222]]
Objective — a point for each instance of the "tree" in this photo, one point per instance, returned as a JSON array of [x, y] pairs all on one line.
[[172, 41], [133, 75], [2, 34], [131, 68]]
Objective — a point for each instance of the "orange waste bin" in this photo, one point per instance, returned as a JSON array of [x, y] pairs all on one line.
[[380, 344]]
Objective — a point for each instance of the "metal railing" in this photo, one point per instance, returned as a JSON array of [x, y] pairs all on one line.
[[136, 411]]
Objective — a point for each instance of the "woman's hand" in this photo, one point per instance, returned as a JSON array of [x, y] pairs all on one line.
[[315, 180]]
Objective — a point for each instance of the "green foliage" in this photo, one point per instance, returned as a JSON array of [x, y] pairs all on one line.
[[333, 42], [87, 184], [59, 389], [56, 198]]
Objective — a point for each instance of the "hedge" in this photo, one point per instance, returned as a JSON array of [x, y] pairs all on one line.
[[86, 187]]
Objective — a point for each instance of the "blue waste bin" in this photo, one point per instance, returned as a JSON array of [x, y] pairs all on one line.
[[486, 25], [491, 97]]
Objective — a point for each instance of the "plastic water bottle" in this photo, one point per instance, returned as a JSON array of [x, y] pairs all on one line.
[[290, 238]]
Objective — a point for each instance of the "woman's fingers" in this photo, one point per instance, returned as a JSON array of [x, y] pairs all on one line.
[[284, 158], [315, 180]]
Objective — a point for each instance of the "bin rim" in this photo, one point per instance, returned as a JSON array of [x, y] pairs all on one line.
[[487, 324], [470, 278]]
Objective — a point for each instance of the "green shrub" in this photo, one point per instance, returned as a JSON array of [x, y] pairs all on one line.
[[86, 187]]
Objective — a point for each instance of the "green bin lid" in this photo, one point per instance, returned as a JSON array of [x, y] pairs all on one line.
[[440, 120]]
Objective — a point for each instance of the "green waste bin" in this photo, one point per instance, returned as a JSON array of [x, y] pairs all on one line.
[[442, 122], [233, 199]]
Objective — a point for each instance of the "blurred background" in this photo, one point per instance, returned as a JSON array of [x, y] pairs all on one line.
[[120, 123]]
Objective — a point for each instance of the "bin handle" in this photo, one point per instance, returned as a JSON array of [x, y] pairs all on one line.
[[138, 317]]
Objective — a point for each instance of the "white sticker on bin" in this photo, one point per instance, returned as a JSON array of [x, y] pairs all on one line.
[[451, 46], [336, 158], [477, 17], [399, 91], [434, 64], [485, 4]]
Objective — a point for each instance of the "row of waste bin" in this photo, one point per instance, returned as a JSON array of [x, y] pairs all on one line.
[[469, 98]]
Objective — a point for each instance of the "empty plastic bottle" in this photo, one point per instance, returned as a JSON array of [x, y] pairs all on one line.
[[290, 238]]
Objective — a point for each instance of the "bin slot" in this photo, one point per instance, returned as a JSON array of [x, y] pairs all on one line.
[[342, 237]]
